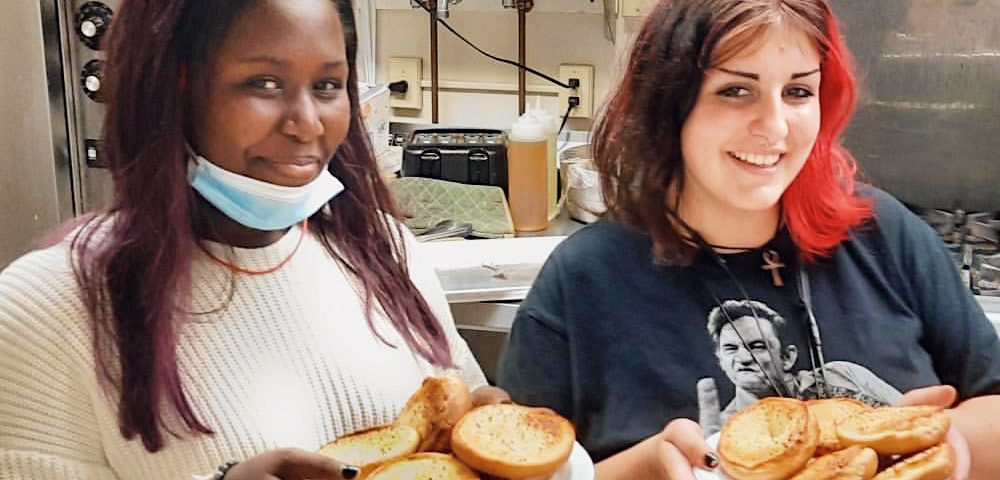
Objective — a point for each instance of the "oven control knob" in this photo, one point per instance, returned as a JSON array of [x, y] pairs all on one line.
[[92, 22], [92, 78]]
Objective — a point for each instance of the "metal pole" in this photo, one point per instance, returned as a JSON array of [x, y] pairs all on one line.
[[521, 54], [434, 61]]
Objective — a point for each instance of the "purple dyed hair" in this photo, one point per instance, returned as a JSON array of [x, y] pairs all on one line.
[[134, 264]]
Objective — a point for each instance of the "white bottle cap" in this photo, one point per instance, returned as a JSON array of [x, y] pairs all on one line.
[[548, 120], [527, 128]]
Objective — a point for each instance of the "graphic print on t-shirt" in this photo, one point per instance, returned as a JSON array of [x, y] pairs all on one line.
[[761, 363]]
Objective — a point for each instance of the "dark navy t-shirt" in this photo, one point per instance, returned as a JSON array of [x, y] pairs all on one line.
[[621, 346]]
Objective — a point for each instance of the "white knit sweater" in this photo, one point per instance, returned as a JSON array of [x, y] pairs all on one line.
[[290, 361]]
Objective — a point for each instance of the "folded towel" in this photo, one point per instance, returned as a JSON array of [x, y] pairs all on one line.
[[427, 201]]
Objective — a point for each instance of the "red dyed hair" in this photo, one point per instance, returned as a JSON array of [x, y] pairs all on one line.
[[637, 145], [820, 205]]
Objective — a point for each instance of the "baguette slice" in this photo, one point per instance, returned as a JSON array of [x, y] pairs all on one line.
[[935, 463], [424, 466], [513, 441], [434, 409], [895, 430], [769, 440], [851, 463], [828, 412], [374, 446]]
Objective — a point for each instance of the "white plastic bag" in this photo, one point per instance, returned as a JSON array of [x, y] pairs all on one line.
[[583, 192]]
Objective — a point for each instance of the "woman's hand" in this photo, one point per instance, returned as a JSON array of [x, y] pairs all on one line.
[[667, 455], [291, 464], [944, 396], [488, 395]]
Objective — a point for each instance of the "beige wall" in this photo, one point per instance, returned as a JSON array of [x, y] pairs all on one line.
[[552, 38]]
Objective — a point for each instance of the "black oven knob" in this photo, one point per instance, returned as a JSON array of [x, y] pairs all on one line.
[[92, 78], [92, 22]]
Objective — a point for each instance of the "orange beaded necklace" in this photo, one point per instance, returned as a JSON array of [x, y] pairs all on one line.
[[238, 269]]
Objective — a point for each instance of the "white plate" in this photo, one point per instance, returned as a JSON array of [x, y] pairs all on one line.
[[579, 466]]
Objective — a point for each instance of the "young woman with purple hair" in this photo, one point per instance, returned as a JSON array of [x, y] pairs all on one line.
[[248, 296]]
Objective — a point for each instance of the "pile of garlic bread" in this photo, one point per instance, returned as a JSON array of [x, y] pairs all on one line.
[[440, 436], [780, 439]]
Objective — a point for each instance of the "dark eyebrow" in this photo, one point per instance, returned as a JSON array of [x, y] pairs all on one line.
[[804, 74], [268, 59], [264, 59], [754, 76]]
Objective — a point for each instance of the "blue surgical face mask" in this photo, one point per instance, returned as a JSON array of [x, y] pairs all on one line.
[[257, 204]]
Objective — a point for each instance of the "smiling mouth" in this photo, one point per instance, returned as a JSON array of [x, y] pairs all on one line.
[[759, 160], [295, 161]]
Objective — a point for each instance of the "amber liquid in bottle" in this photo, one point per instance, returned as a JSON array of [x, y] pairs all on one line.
[[528, 184]]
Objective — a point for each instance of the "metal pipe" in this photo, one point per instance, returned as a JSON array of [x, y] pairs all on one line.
[[434, 61], [522, 11]]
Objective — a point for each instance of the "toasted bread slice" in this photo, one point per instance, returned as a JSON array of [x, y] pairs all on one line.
[[513, 441], [895, 430], [424, 466], [434, 410], [828, 412], [769, 440], [851, 463], [935, 463], [374, 446]]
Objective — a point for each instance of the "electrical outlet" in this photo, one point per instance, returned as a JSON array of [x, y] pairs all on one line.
[[585, 73], [411, 70]]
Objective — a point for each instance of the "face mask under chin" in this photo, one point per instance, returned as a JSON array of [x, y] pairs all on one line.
[[257, 204]]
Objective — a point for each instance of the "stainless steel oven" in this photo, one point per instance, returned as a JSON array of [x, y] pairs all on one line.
[[928, 117], [51, 123]]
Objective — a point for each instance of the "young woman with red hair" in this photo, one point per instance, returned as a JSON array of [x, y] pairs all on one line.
[[739, 258], [248, 296]]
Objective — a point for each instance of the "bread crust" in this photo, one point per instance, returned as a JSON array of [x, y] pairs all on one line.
[[769, 440], [439, 466], [371, 447], [828, 412], [895, 430], [434, 409], [935, 463], [513, 441], [851, 463]]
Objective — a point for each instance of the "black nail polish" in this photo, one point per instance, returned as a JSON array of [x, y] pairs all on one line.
[[349, 471], [711, 460]]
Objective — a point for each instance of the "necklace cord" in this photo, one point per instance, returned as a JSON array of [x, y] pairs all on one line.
[[237, 269], [781, 390], [816, 357], [815, 339]]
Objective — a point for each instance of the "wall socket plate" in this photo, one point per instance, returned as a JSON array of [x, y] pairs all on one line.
[[411, 70], [585, 91]]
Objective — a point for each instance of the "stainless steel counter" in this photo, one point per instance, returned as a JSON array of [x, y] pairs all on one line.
[[484, 292], [490, 280]]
